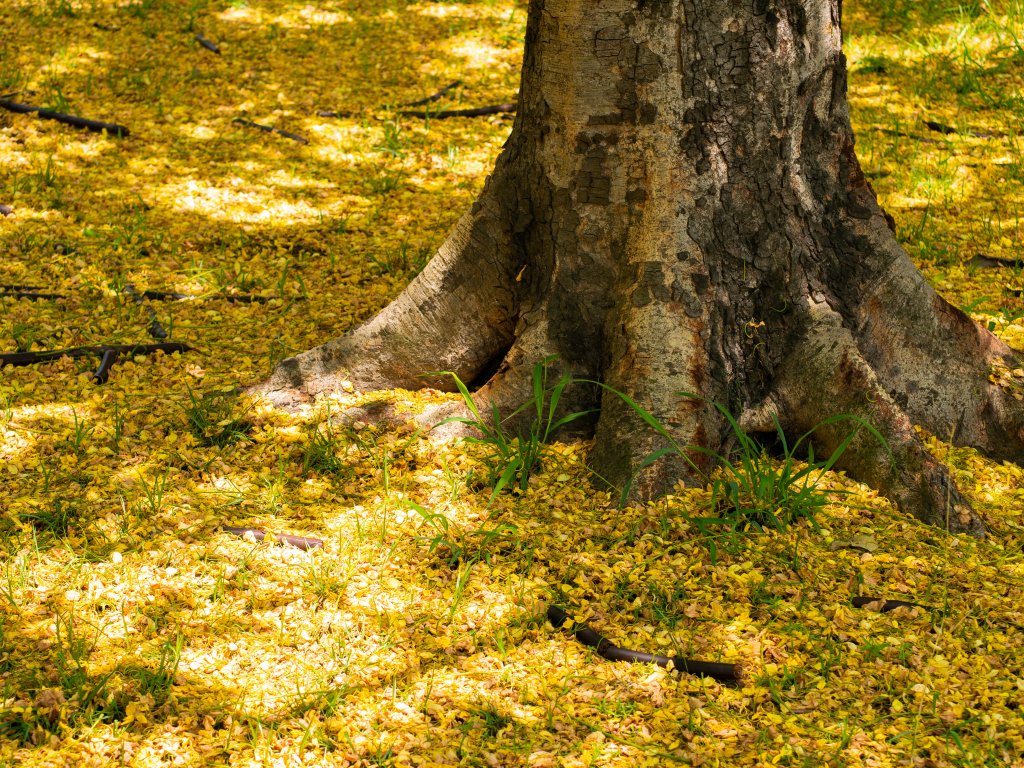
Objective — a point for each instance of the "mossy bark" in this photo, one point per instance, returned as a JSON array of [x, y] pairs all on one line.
[[679, 208]]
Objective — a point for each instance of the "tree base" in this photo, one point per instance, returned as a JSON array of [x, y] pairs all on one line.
[[679, 208]]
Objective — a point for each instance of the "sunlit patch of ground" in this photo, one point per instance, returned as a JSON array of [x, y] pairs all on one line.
[[134, 630]]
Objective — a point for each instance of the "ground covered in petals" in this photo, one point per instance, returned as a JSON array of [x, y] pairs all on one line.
[[137, 629]]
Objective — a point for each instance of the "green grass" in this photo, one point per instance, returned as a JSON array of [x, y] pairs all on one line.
[[458, 545], [750, 489], [322, 450], [513, 456], [211, 418]]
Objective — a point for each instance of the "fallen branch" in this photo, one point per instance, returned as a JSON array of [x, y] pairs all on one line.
[[302, 542], [34, 293], [495, 109], [984, 260], [914, 136], [31, 358], [884, 606], [434, 96], [78, 122], [948, 129], [471, 113], [269, 129], [207, 43], [333, 113], [30, 295], [155, 329], [102, 373], [591, 639], [231, 298]]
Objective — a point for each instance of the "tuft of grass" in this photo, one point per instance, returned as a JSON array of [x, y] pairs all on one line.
[[25, 336], [56, 519], [401, 261], [489, 718], [321, 451], [457, 544], [154, 492], [81, 431], [157, 682], [751, 490], [71, 658], [386, 181], [212, 420], [392, 143], [513, 458]]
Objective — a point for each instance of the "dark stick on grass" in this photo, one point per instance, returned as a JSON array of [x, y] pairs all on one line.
[[984, 260], [419, 102], [914, 136], [106, 362], [723, 672], [130, 350], [155, 329], [496, 109], [302, 542], [434, 96], [96, 126], [207, 43], [29, 295], [884, 606], [949, 130], [228, 297], [269, 129]]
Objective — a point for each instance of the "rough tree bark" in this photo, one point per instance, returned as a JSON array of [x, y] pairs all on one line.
[[679, 208]]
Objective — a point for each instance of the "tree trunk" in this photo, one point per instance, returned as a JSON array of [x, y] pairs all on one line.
[[679, 209]]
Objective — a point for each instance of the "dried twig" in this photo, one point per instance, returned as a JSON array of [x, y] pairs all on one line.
[[434, 96], [155, 329], [495, 109], [269, 129], [590, 638], [78, 122], [31, 358], [207, 43], [302, 542], [228, 297], [904, 134], [948, 130], [884, 606], [30, 295]]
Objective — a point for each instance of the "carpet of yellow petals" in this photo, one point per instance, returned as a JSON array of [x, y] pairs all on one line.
[[135, 631]]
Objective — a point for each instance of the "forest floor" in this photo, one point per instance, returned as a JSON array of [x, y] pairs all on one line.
[[135, 630]]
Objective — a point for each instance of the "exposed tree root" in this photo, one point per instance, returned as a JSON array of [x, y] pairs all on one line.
[[443, 321], [827, 376], [679, 209]]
